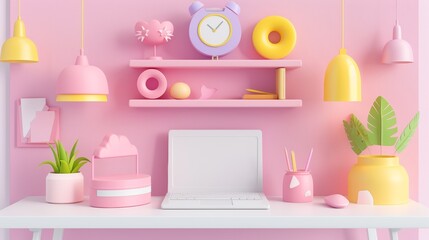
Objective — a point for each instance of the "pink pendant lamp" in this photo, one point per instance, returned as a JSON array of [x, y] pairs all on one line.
[[397, 50], [82, 82]]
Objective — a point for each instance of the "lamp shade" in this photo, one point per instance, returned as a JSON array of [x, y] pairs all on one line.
[[397, 50], [19, 48], [342, 79], [82, 83]]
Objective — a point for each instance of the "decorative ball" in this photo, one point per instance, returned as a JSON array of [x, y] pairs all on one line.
[[180, 90]]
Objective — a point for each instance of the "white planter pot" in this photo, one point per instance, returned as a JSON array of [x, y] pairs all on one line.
[[64, 188]]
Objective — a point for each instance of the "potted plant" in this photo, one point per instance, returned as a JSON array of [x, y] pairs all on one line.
[[380, 174], [65, 183]]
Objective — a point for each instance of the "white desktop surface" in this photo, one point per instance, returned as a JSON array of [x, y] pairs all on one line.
[[35, 213]]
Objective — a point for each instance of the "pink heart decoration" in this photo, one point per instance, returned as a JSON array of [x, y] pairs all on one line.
[[154, 32]]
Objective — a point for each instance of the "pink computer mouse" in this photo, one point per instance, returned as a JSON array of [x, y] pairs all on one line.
[[336, 201]]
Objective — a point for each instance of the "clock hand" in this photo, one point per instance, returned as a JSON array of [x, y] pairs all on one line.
[[211, 28], [218, 26]]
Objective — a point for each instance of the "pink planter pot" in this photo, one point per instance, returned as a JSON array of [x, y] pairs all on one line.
[[64, 188]]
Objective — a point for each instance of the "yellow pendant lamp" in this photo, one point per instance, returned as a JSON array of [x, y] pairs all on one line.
[[82, 82], [342, 77], [19, 48]]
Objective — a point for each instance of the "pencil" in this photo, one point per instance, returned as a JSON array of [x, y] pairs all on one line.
[[287, 160], [293, 161], [309, 160]]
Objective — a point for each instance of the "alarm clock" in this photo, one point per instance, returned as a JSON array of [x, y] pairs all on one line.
[[214, 31]]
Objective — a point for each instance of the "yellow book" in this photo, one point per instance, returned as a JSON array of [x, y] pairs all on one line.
[[257, 91], [260, 96]]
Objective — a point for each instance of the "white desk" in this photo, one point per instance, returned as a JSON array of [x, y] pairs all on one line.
[[35, 214]]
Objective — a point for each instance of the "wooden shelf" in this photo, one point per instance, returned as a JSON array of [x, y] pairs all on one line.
[[216, 103], [260, 63]]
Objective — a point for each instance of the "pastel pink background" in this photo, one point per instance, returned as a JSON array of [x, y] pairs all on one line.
[[110, 43]]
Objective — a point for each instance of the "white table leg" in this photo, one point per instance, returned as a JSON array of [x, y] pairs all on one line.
[[394, 233], [58, 234], [37, 233], [372, 234]]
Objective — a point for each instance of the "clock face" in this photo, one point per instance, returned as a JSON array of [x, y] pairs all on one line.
[[214, 30]]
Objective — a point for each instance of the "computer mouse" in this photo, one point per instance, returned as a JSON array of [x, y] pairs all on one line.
[[336, 201]]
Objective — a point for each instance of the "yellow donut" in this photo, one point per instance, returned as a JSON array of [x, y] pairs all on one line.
[[262, 43]]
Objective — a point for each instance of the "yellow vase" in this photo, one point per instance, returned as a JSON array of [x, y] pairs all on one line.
[[382, 176]]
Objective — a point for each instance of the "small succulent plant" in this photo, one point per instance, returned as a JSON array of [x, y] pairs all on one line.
[[64, 162]]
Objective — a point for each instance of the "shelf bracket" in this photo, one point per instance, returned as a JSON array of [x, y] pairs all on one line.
[[281, 83]]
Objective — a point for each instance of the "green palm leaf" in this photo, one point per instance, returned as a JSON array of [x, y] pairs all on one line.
[[407, 133], [382, 123], [357, 134]]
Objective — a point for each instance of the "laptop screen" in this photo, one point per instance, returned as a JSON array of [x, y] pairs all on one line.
[[215, 161]]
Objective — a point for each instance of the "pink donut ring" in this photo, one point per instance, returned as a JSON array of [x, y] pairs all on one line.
[[142, 84]]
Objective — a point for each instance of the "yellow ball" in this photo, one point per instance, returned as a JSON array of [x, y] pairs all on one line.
[[180, 90]]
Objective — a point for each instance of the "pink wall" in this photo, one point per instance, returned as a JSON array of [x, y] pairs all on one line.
[[110, 44], [424, 108], [4, 123]]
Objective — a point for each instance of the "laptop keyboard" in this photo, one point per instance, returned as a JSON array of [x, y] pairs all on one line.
[[216, 196]]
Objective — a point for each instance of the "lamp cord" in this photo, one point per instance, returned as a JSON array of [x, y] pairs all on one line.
[[82, 25], [342, 23], [397, 21]]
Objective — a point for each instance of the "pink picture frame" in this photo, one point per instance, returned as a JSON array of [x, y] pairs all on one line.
[[26, 141]]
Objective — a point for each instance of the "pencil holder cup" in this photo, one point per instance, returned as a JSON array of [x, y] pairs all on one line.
[[298, 187]]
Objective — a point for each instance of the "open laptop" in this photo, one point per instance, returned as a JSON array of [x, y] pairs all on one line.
[[215, 169]]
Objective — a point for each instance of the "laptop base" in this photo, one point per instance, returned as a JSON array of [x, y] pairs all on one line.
[[215, 204]]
